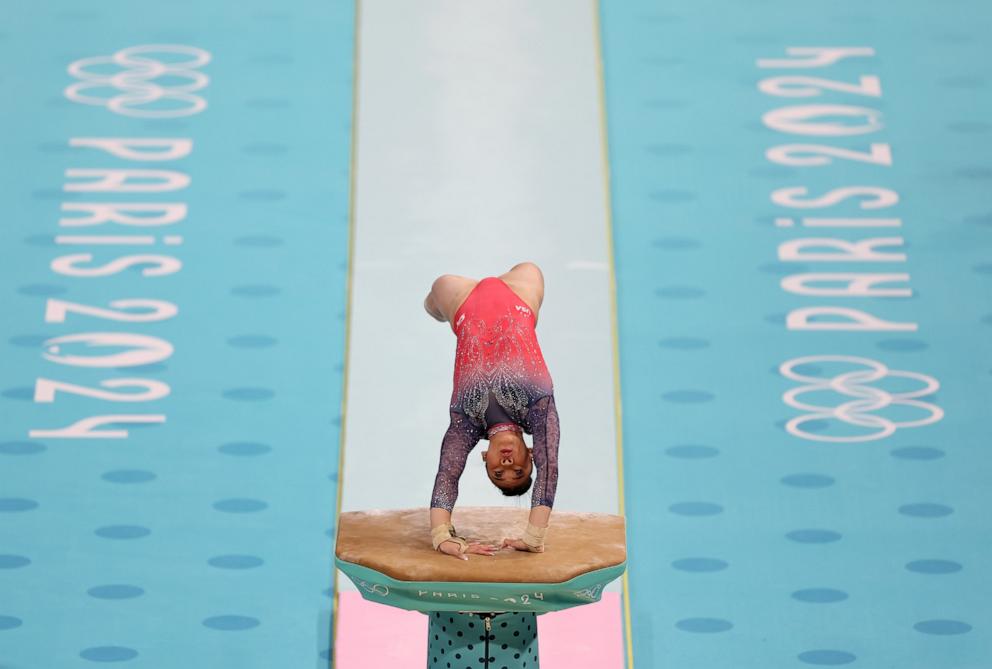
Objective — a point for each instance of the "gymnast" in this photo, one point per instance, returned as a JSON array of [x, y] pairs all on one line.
[[502, 389]]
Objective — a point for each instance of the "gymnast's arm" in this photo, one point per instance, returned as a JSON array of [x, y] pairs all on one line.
[[543, 418], [459, 440]]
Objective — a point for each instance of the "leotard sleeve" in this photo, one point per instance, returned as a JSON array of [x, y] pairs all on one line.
[[459, 440], [543, 419]]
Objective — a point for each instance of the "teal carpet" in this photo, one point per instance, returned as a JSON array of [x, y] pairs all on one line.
[[201, 537], [804, 496]]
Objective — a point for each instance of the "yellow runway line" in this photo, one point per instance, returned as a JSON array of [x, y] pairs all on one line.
[[617, 407], [347, 311]]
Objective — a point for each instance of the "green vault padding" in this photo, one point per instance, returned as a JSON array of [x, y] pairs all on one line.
[[484, 607]]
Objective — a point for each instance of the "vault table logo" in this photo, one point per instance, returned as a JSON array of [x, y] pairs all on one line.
[[131, 81], [866, 398]]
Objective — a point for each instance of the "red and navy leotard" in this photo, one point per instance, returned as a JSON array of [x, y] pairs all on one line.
[[500, 376]]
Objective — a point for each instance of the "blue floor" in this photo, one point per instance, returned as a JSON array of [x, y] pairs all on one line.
[[842, 525], [202, 538], [766, 533]]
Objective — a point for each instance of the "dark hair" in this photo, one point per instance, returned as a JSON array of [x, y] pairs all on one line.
[[519, 489]]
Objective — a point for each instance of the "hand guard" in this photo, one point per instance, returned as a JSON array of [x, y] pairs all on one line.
[[446, 532], [534, 537]]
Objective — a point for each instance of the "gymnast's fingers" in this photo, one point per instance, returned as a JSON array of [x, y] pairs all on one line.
[[481, 549], [518, 544]]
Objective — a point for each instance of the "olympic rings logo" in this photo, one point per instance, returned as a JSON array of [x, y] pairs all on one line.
[[866, 398], [136, 81]]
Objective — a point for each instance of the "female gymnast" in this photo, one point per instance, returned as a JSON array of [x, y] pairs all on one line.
[[502, 388]]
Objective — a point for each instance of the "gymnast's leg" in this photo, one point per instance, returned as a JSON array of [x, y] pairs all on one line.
[[447, 294]]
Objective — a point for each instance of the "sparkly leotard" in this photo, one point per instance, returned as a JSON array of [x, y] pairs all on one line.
[[500, 377]]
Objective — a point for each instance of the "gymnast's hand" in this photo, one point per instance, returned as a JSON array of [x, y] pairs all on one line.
[[452, 548], [518, 544]]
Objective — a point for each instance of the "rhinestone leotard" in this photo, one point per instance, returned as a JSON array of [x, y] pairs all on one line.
[[498, 359]]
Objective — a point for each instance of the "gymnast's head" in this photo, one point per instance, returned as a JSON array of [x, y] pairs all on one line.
[[509, 463]]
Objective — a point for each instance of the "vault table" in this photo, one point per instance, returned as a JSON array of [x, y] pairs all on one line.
[[483, 610]]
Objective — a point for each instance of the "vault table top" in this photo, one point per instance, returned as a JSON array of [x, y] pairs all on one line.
[[397, 543]]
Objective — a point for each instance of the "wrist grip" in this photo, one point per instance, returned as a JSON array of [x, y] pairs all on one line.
[[534, 536], [445, 532]]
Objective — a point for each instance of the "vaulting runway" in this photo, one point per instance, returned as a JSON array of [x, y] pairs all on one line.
[[765, 235]]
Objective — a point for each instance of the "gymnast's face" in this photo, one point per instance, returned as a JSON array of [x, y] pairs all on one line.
[[508, 460]]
